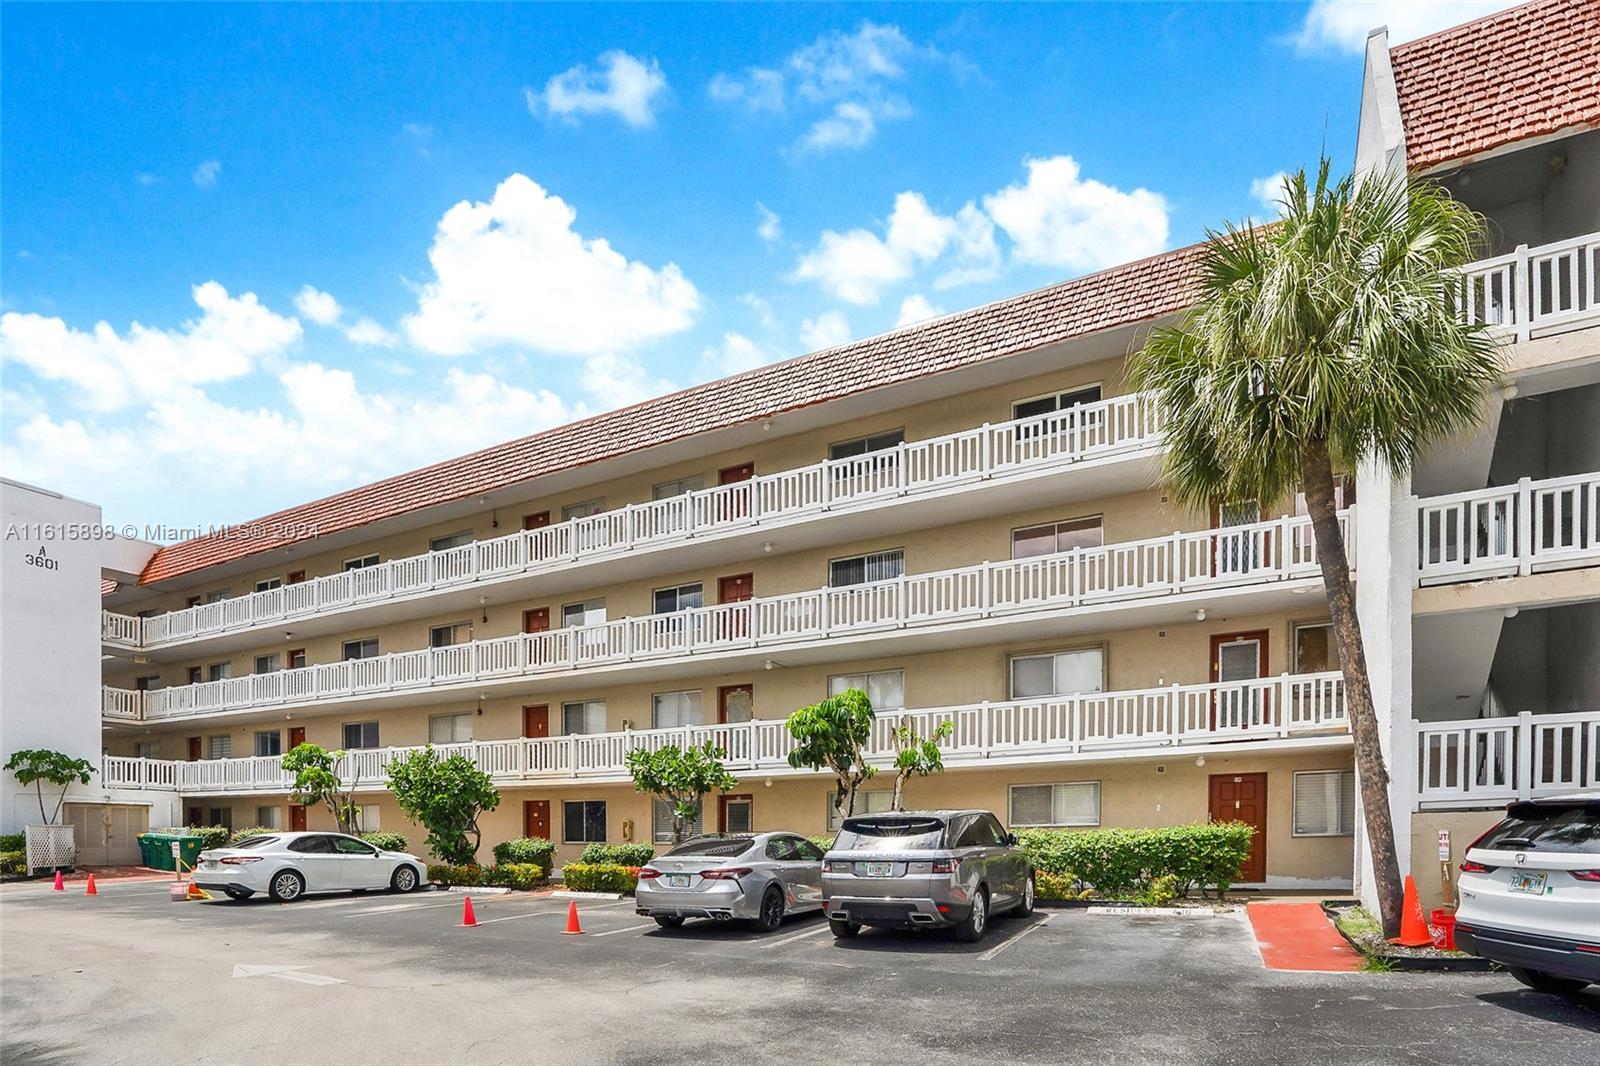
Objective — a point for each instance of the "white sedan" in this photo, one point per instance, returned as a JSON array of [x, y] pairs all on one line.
[[1530, 893], [288, 865]]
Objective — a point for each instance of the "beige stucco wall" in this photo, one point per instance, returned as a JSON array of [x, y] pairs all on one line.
[[1464, 827], [1170, 792]]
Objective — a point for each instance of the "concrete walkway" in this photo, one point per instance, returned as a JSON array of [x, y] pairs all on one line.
[[1298, 936]]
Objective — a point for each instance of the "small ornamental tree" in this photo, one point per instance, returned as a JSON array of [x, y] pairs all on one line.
[[316, 780], [39, 767], [446, 796], [681, 777], [832, 735], [916, 754]]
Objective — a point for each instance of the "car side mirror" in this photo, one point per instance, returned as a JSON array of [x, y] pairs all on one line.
[[1011, 838]]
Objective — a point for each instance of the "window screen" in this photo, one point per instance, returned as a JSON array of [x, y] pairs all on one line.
[[1324, 803], [671, 710], [1058, 673], [860, 569], [661, 818], [1070, 804], [885, 688]]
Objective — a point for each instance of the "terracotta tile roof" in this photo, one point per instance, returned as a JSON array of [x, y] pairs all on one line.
[[1126, 294], [1526, 72]]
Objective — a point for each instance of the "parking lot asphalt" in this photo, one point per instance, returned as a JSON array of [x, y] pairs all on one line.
[[128, 977]]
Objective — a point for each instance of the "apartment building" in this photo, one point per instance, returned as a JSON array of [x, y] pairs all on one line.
[[963, 517]]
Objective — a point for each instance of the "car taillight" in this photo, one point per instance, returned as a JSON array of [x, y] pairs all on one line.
[[1468, 866], [943, 866], [837, 867], [240, 860], [1586, 875], [732, 873], [646, 873]]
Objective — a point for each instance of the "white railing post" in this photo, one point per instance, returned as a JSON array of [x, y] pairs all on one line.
[[1521, 302], [985, 728], [1526, 763], [1525, 540]]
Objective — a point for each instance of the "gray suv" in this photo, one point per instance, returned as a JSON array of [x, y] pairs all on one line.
[[939, 869]]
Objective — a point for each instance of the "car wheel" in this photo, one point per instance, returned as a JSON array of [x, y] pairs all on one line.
[[404, 879], [843, 928], [771, 915], [287, 886], [971, 930], [238, 894], [1025, 905], [670, 921], [1540, 981]]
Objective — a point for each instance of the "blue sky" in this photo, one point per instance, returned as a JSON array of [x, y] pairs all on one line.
[[254, 255]]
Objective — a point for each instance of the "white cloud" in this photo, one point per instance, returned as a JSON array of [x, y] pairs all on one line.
[[825, 331], [514, 271], [916, 308], [367, 333], [205, 175], [857, 265], [1059, 219], [762, 308], [147, 180], [1268, 191], [770, 228], [736, 354], [1343, 25], [623, 86], [109, 370], [847, 81], [320, 307], [615, 380]]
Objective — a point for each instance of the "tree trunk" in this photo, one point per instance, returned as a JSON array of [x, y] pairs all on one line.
[[1316, 474], [899, 787]]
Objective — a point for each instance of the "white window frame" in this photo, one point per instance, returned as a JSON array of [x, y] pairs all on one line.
[[273, 660], [1056, 525], [1052, 654], [583, 508], [368, 818], [219, 746], [1295, 629], [256, 742], [454, 718], [1340, 829], [1056, 395], [147, 749], [873, 801], [269, 817], [866, 677], [451, 540], [866, 560], [865, 440], [1054, 823], [567, 840], [661, 821], [360, 562], [678, 595], [362, 725], [597, 605], [267, 584], [698, 710], [363, 642], [681, 486], [219, 671], [453, 627], [588, 706]]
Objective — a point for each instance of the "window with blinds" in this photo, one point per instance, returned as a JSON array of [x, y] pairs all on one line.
[[661, 819], [885, 688], [1324, 803], [1075, 803], [866, 803], [860, 569], [673, 710], [450, 728], [1057, 673], [585, 716], [219, 747]]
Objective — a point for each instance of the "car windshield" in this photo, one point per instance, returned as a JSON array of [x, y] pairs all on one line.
[[253, 842], [1539, 827], [718, 847], [890, 834]]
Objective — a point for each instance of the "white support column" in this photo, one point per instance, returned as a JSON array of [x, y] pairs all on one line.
[[1385, 566]]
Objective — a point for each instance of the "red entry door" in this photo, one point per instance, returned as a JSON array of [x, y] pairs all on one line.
[[194, 749], [1243, 798], [536, 620], [297, 736], [536, 818], [297, 819], [1237, 657], [735, 474], [734, 504], [734, 703], [735, 814], [536, 720], [536, 521], [736, 589]]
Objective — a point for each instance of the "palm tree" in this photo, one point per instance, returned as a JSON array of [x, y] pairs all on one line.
[[1318, 342]]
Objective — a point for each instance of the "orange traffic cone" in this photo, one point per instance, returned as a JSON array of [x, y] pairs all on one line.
[[573, 928], [467, 917], [89, 889], [1413, 930], [60, 885]]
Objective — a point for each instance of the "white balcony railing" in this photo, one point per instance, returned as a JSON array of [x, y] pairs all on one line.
[[1511, 529], [121, 704], [1264, 709], [1533, 291], [1237, 556], [1490, 761], [1120, 424]]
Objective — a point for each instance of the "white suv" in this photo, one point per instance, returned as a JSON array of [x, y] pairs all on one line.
[[1530, 893]]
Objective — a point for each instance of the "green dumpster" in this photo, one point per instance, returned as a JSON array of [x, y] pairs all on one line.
[[157, 849]]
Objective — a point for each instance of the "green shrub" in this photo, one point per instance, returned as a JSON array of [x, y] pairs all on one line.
[[212, 836], [455, 875], [524, 850], [252, 831], [617, 854], [1120, 863], [522, 875], [1160, 892], [13, 863], [825, 841], [14, 842], [1060, 886], [385, 841], [600, 877]]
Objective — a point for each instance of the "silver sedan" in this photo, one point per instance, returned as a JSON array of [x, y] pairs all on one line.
[[756, 877]]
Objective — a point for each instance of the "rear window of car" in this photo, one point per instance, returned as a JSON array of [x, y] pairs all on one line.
[[717, 847], [253, 842], [890, 834], [1547, 828]]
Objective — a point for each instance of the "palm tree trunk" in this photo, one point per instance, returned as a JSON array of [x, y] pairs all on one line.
[[1316, 475]]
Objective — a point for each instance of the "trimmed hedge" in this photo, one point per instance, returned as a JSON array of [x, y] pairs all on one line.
[[13, 842], [385, 841], [525, 850], [825, 842], [600, 877], [455, 875], [212, 836], [252, 831], [1064, 886], [522, 875], [13, 863], [1122, 863], [617, 854]]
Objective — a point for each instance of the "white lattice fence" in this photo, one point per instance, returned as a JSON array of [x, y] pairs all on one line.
[[50, 846]]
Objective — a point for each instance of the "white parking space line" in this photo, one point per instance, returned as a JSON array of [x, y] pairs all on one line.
[[823, 928], [559, 911], [388, 908], [626, 929], [343, 901], [998, 948]]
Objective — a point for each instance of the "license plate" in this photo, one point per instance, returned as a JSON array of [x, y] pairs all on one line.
[[879, 869], [677, 880], [1531, 883]]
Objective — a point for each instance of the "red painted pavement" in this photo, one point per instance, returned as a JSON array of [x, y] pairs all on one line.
[[1298, 936]]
